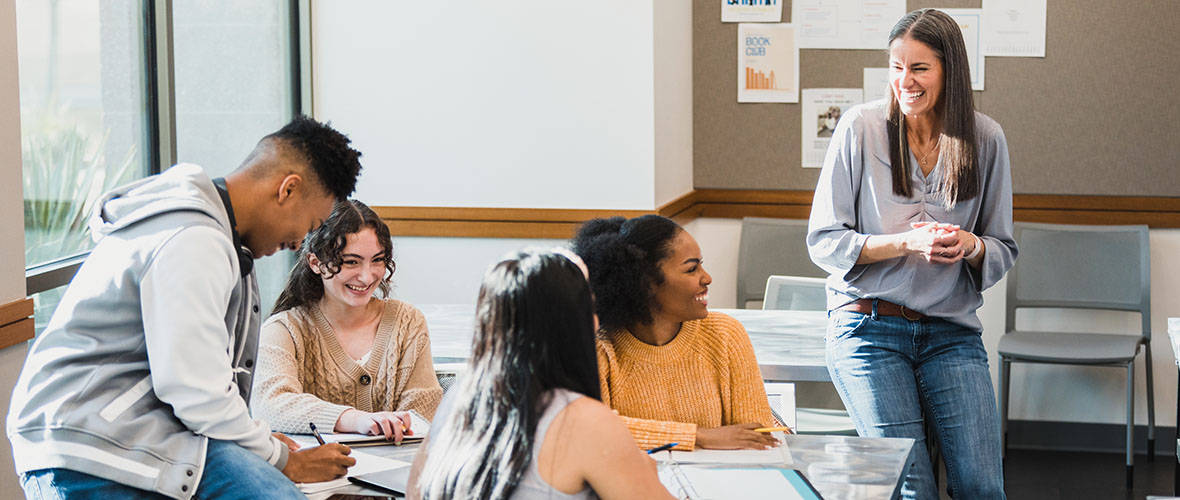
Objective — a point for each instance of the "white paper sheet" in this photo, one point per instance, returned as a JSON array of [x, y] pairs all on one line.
[[365, 463], [822, 109], [845, 24], [970, 21], [780, 455], [768, 63], [876, 84], [1014, 28], [721, 484], [751, 11]]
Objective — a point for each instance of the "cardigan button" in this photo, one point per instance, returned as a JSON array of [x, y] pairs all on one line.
[[365, 379], [255, 307], [184, 488], [189, 473], [249, 363]]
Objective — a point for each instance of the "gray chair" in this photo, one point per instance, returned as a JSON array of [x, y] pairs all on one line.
[[795, 293], [1081, 267], [819, 409], [448, 373], [771, 246]]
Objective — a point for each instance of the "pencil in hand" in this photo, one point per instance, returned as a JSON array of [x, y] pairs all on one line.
[[315, 432]]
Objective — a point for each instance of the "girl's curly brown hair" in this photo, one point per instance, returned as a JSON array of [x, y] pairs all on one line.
[[327, 242]]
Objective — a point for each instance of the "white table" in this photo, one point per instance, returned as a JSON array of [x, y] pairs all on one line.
[[789, 345], [840, 467]]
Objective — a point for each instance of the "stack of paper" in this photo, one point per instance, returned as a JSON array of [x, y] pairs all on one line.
[[365, 463]]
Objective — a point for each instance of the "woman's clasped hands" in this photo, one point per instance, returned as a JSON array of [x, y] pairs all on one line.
[[939, 243]]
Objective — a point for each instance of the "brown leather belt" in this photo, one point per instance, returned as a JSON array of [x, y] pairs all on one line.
[[884, 308]]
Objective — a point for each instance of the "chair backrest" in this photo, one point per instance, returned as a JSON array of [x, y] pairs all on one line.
[[1081, 267], [448, 374], [795, 293], [771, 246]]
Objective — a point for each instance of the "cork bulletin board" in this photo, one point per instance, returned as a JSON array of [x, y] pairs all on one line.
[[1098, 115]]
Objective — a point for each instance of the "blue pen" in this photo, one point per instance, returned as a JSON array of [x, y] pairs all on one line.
[[662, 448], [315, 432]]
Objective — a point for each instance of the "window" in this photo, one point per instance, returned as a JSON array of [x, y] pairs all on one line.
[[234, 79], [93, 107], [84, 118]]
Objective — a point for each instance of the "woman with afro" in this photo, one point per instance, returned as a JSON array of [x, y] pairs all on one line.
[[676, 372]]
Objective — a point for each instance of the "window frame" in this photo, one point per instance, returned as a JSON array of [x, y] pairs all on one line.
[[161, 111]]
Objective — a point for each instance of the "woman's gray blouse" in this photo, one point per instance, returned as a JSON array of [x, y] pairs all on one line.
[[854, 199]]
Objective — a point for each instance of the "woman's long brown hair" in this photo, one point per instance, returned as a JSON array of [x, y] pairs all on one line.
[[957, 143]]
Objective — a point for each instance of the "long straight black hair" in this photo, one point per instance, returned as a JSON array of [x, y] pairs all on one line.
[[534, 332], [327, 242], [956, 107]]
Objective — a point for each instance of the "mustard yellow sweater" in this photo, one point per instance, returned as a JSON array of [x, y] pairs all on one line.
[[707, 376]]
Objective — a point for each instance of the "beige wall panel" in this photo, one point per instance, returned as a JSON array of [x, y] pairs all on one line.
[[1096, 116]]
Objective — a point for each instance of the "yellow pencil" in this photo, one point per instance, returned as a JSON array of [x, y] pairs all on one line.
[[773, 429]]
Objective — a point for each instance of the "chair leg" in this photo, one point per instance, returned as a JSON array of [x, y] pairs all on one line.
[[1005, 374], [1150, 407], [1130, 423]]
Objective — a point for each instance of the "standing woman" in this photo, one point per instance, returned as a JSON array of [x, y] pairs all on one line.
[[335, 354], [912, 218]]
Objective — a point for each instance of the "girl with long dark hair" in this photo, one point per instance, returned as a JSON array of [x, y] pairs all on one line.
[[525, 421], [333, 352], [912, 219]]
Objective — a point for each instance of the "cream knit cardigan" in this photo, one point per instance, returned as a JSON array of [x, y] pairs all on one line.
[[304, 375]]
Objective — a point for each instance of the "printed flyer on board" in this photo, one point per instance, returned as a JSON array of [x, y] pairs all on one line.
[[822, 109]]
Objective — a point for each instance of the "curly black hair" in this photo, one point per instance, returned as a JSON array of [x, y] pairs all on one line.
[[327, 152], [623, 257], [327, 242]]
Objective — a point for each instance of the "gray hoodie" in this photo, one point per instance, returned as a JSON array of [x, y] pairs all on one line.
[[151, 350]]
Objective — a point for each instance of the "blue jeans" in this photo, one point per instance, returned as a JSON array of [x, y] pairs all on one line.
[[893, 374], [230, 472]]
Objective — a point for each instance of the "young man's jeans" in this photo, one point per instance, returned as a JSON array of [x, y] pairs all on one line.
[[231, 472], [891, 372]]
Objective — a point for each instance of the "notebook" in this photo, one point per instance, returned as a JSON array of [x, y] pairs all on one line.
[[365, 464], [418, 424], [711, 483], [392, 481]]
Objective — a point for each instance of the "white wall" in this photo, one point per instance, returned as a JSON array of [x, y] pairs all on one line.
[[496, 104], [449, 270], [1038, 392], [673, 99], [12, 227]]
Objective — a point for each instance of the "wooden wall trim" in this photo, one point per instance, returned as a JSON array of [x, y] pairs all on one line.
[[16, 322], [1155, 211], [474, 222]]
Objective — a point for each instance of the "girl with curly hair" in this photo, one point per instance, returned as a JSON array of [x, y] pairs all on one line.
[[675, 371], [335, 354]]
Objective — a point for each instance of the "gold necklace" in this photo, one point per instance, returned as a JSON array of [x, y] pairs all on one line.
[[923, 160]]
